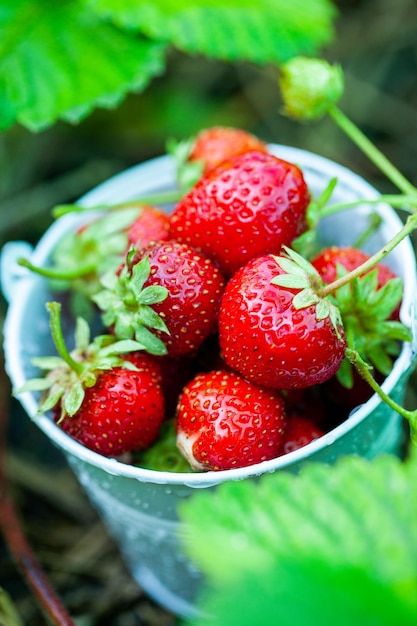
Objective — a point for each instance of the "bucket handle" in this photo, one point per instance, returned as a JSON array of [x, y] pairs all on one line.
[[10, 271]]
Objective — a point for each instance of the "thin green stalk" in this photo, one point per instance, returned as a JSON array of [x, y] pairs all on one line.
[[54, 309], [364, 371], [406, 202], [156, 199], [409, 226], [48, 272], [372, 152]]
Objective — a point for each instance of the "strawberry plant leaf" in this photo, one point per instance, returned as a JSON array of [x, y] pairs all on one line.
[[352, 521], [305, 298], [82, 334], [149, 318], [295, 592], [52, 399], [121, 347], [73, 398], [35, 384], [140, 275], [60, 60], [152, 343], [293, 281], [152, 294], [47, 362], [262, 32]]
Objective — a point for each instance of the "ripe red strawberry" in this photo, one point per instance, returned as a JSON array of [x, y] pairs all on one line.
[[151, 225], [214, 145], [249, 205], [299, 431], [275, 334], [199, 155], [167, 299], [369, 306], [122, 412], [224, 422], [105, 394]]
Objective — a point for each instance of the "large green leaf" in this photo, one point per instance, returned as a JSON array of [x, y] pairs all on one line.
[[307, 592], [354, 523], [257, 30], [59, 60]]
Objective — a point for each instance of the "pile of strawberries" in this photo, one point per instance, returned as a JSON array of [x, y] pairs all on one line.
[[217, 335]]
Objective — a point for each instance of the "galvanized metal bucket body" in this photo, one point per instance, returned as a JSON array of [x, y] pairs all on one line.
[[140, 506]]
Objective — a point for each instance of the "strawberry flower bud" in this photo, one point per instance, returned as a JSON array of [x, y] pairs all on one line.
[[309, 87]]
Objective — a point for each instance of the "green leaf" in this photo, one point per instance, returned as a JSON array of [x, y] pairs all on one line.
[[8, 612], [34, 384], [292, 281], [148, 317], [121, 347], [58, 60], [152, 343], [73, 398], [263, 31], [305, 592], [153, 295], [82, 334], [353, 514]]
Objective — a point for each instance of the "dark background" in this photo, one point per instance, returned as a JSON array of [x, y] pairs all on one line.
[[376, 44]]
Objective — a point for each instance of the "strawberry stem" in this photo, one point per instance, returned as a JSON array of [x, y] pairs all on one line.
[[54, 309], [409, 226], [162, 197], [49, 272], [371, 151], [364, 371], [401, 201]]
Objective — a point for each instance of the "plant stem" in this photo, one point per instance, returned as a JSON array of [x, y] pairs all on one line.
[[162, 197], [409, 226], [365, 373], [47, 272], [54, 309], [372, 152], [401, 201]]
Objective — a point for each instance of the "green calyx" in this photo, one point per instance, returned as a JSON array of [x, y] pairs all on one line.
[[126, 304], [300, 274], [81, 257], [68, 374], [367, 310], [187, 172], [310, 87]]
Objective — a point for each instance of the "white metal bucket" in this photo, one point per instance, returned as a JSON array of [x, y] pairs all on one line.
[[139, 506]]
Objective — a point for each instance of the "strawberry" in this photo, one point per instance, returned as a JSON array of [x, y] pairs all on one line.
[[249, 205], [369, 306], [110, 403], [328, 260], [224, 422], [299, 432], [199, 155], [274, 329], [81, 257], [122, 412], [218, 143], [151, 225], [167, 299]]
